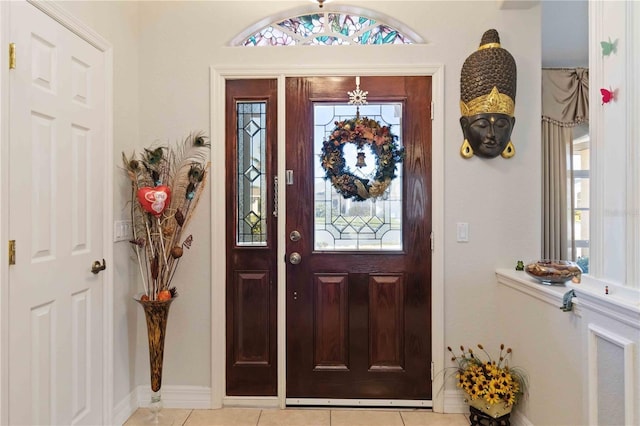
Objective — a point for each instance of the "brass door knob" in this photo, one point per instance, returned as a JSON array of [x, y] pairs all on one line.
[[97, 266]]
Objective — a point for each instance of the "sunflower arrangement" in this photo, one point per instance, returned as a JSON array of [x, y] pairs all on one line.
[[166, 184], [488, 381]]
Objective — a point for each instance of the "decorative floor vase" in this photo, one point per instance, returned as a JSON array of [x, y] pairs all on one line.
[[156, 313]]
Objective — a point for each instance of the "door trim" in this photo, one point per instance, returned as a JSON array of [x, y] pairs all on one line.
[[73, 24], [218, 75]]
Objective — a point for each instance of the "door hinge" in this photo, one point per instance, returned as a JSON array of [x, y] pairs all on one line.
[[432, 244], [432, 370], [431, 110], [12, 252], [12, 56]]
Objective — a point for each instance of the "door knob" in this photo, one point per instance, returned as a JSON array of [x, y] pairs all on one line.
[[97, 266], [295, 258], [295, 236]]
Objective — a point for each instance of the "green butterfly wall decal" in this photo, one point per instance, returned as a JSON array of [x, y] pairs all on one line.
[[609, 47]]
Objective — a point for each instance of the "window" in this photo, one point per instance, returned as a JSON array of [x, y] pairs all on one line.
[[579, 188], [252, 187], [344, 224], [327, 28]]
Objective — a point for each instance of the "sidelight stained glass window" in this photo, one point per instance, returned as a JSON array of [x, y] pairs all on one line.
[[345, 224], [327, 28], [251, 179]]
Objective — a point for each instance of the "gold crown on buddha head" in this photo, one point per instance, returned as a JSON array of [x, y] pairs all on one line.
[[488, 79], [495, 102]]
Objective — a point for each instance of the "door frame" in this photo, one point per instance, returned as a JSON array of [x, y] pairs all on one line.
[[60, 15], [218, 76]]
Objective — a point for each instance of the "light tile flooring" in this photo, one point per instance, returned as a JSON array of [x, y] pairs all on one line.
[[299, 417]]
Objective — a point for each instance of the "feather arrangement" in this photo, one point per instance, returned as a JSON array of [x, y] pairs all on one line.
[[166, 184]]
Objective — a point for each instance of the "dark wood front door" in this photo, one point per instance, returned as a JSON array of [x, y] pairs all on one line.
[[358, 318]]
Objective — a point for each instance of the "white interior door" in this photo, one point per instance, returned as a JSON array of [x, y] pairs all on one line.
[[56, 213]]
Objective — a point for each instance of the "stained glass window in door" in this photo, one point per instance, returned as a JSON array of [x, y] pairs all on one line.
[[340, 224], [251, 174]]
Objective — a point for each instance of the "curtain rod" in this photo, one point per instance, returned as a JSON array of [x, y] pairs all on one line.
[[564, 68]]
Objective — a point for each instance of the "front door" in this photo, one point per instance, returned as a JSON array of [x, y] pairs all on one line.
[[358, 292], [56, 207]]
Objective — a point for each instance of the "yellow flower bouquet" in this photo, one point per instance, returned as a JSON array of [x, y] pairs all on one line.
[[492, 386]]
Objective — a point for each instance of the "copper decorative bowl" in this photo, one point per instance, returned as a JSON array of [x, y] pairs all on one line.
[[554, 272]]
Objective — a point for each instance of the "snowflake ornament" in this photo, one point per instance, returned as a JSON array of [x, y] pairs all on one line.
[[358, 97]]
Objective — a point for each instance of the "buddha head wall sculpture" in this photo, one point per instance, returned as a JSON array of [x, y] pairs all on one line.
[[487, 100]]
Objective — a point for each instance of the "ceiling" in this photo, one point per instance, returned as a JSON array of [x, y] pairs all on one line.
[[565, 33]]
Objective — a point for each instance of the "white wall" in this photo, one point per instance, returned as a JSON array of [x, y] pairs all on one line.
[[163, 53], [498, 198], [587, 360], [584, 360], [548, 344]]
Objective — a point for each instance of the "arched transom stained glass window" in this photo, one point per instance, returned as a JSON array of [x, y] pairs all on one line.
[[327, 28]]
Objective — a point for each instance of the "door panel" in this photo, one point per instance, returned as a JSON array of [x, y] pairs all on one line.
[[386, 322], [57, 143], [359, 322], [251, 238], [331, 329]]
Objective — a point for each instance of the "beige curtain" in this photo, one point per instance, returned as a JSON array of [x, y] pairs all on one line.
[[565, 103]]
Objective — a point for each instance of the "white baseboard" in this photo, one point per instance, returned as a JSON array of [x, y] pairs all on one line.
[[189, 397], [454, 402], [125, 408], [197, 397], [518, 419]]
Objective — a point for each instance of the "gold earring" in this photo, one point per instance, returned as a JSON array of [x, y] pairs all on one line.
[[509, 151], [466, 150]]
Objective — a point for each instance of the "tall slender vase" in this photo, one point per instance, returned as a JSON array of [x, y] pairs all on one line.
[[156, 313]]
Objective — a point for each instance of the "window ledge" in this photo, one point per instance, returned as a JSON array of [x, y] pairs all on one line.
[[621, 304]]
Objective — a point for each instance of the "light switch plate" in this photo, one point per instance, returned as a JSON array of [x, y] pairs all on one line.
[[121, 230], [463, 232]]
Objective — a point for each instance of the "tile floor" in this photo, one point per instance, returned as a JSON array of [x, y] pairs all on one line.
[[300, 417]]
